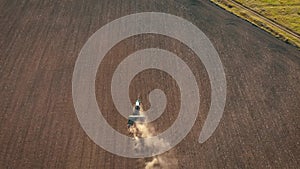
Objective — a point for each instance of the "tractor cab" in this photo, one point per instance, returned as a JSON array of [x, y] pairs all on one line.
[[136, 117]]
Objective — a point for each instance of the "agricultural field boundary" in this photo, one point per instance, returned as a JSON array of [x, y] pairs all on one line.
[[261, 21]]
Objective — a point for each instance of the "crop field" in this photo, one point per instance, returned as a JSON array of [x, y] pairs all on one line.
[[41, 41], [284, 12], [279, 18]]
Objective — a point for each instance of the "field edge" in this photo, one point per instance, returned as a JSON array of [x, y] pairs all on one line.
[[258, 21]]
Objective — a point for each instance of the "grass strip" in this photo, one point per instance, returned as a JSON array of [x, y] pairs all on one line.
[[259, 21]]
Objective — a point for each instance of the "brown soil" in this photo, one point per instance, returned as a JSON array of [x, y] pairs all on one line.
[[39, 44]]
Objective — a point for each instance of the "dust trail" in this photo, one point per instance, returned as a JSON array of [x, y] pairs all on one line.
[[167, 160]]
